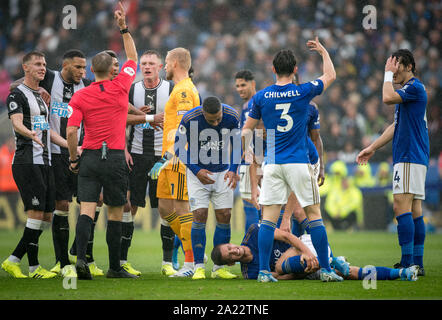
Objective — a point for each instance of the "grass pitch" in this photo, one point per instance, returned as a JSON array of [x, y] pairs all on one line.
[[361, 249]]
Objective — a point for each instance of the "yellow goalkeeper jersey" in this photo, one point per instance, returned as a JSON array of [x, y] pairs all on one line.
[[183, 98]]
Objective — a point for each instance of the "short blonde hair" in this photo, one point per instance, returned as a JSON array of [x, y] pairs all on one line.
[[182, 56]]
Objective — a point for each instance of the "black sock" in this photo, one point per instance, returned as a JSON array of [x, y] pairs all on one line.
[[90, 244], [60, 233], [31, 238], [113, 240], [20, 249], [73, 249], [167, 237], [127, 231], [83, 230], [55, 238]]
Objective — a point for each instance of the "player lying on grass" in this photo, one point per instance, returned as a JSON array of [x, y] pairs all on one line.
[[295, 258]]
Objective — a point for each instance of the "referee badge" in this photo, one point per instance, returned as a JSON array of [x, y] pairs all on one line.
[[70, 111]]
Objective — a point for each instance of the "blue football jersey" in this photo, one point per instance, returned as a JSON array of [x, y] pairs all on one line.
[[251, 270], [313, 124], [200, 145], [285, 110], [410, 141]]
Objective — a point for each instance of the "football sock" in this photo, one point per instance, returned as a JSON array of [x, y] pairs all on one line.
[[405, 230], [127, 230], [320, 242], [419, 239], [297, 229], [251, 213], [20, 249], [305, 226], [167, 239], [222, 234], [31, 235], [90, 243], [186, 235], [83, 231], [198, 242], [60, 236], [266, 234], [293, 265], [113, 240], [174, 223], [382, 273]]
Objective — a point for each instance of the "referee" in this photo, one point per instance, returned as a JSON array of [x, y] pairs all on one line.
[[102, 107]]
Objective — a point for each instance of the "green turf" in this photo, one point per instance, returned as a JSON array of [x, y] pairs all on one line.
[[361, 249]]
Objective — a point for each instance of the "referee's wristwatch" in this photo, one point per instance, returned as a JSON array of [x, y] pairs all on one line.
[[125, 30]]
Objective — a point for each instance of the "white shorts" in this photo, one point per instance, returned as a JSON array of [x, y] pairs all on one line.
[[281, 179], [409, 178], [316, 167], [307, 240], [200, 194]]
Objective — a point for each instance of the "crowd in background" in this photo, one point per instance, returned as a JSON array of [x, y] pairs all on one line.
[[225, 36]]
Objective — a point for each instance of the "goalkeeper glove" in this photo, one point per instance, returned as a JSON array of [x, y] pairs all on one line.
[[159, 165]]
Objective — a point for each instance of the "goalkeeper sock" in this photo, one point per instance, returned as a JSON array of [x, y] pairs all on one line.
[[186, 235]]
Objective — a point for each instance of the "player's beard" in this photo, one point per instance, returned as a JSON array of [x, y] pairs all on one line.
[[169, 75]]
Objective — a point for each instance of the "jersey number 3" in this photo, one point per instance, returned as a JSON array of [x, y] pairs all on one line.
[[285, 107]]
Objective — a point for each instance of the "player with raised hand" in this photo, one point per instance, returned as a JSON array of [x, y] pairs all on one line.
[[411, 149], [284, 109]]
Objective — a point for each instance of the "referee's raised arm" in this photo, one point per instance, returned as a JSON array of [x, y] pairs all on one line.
[[129, 44]]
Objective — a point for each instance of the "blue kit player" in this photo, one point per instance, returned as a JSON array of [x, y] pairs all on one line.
[[284, 109], [411, 149], [208, 142], [294, 258]]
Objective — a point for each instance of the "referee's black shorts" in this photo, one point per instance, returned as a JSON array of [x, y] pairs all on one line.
[[36, 185], [139, 178], [110, 174], [65, 181]]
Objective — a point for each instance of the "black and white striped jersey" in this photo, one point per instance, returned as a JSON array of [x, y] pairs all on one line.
[[143, 139], [61, 93], [35, 117]]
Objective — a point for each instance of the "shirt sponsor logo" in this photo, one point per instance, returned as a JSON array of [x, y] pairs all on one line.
[[39, 122], [61, 109], [144, 126]]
